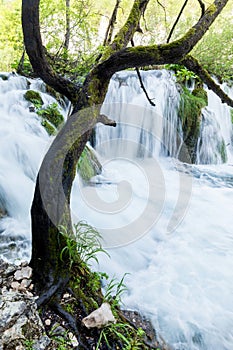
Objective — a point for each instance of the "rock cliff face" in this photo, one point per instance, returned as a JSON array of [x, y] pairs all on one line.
[[20, 324]]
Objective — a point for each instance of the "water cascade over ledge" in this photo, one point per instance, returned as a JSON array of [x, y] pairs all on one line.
[[167, 223]]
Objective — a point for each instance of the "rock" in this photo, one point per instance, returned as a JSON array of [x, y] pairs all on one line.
[[15, 285], [100, 317], [19, 322], [47, 322], [24, 272]]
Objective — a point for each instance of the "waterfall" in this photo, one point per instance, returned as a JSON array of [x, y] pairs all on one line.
[[167, 223], [215, 140], [143, 129], [23, 142]]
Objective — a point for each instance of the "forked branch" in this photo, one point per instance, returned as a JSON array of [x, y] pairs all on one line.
[[125, 34]]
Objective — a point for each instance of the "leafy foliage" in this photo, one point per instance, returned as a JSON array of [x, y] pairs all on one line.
[[114, 291], [84, 244], [182, 74], [124, 332]]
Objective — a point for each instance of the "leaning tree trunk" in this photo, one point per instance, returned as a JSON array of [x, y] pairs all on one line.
[[52, 195]]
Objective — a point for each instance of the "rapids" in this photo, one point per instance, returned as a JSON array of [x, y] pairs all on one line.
[[167, 223]]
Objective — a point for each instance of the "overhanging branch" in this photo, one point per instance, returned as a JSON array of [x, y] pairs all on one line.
[[192, 64], [125, 34], [36, 54], [176, 21]]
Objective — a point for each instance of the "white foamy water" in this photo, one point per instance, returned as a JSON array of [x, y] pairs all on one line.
[[23, 142], [168, 224]]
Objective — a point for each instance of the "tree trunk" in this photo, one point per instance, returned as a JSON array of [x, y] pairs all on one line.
[[51, 202]]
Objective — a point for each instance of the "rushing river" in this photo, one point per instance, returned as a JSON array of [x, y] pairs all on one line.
[[169, 224]]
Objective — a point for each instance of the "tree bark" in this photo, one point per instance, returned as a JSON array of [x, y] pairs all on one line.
[[36, 52], [67, 34]]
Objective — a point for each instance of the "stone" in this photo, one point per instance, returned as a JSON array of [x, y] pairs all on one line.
[[15, 285], [100, 317], [47, 322], [24, 272], [20, 321], [25, 283], [73, 339]]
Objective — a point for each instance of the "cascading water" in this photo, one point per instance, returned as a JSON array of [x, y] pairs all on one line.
[[215, 140], [23, 142], [169, 224]]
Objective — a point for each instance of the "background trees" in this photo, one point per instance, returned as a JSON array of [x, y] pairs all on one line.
[[88, 23]]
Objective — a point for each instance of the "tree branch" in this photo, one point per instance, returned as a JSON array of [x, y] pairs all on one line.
[[106, 121], [142, 56], [192, 64], [125, 34], [177, 20], [112, 21], [36, 54], [141, 83], [202, 5]]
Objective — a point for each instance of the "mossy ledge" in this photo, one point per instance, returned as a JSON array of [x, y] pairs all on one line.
[[190, 116], [51, 117], [88, 164]]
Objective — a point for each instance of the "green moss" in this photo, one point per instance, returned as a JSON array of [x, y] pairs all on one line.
[[190, 115], [34, 97], [223, 152], [200, 93], [52, 114], [211, 9], [88, 165], [231, 111], [48, 127]]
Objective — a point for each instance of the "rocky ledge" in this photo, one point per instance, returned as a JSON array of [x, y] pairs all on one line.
[[23, 328]]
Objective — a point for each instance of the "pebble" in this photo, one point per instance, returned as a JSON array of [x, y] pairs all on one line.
[[48, 322]]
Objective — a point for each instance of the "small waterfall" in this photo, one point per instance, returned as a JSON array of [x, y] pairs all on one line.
[[215, 144], [143, 130]]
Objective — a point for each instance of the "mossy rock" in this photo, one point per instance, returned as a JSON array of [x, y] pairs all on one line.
[[51, 130], [88, 164], [2, 213], [202, 94], [52, 114], [3, 77], [223, 152], [34, 97], [190, 115]]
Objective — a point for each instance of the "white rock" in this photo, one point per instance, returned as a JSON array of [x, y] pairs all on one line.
[[100, 317], [25, 272], [48, 322], [15, 285]]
